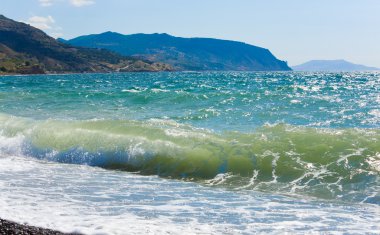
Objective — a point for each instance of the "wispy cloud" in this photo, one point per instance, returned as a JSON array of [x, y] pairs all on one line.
[[46, 24], [41, 22], [56, 34], [81, 3], [76, 3], [46, 3]]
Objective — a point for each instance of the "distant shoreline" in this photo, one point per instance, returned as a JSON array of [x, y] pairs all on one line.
[[71, 73], [294, 71], [10, 228], [133, 72]]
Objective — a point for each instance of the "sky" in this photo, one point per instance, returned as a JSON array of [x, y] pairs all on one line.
[[294, 30]]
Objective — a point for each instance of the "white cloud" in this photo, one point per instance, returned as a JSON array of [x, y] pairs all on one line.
[[46, 3], [41, 22], [76, 3], [56, 34], [81, 3], [46, 24]]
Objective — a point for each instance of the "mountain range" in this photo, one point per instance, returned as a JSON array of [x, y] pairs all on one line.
[[198, 54], [332, 66], [28, 50]]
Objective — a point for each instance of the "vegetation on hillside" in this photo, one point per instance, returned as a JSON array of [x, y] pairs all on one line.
[[27, 50]]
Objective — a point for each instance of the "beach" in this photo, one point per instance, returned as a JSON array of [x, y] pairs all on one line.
[[12, 228]]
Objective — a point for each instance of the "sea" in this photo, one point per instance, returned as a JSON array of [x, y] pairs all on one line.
[[192, 152]]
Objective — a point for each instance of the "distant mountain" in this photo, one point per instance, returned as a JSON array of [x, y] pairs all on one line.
[[25, 49], [332, 65], [186, 53]]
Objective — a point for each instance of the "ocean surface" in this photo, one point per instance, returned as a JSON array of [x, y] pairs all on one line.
[[192, 153]]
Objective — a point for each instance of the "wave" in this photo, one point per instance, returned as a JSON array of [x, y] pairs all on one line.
[[326, 163]]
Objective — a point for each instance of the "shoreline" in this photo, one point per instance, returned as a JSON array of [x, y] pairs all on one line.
[[12, 228], [173, 71]]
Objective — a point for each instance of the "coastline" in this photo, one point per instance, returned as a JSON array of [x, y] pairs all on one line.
[[73, 73], [11, 228]]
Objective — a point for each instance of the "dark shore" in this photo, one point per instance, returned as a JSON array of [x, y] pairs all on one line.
[[11, 228]]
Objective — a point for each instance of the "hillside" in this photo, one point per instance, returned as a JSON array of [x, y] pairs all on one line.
[[186, 53], [332, 65], [28, 50]]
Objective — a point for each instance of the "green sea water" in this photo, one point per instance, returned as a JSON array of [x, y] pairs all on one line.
[[313, 135]]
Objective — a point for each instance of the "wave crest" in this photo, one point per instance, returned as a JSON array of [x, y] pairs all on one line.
[[328, 163]]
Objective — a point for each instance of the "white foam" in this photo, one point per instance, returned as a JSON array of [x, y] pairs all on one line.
[[89, 200], [156, 90], [11, 145]]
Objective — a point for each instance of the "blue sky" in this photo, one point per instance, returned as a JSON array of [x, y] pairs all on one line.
[[294, 30]]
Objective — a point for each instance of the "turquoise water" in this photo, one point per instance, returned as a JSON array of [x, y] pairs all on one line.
[[299, 150]]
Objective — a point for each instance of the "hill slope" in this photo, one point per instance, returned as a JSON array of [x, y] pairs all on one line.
[[25, 49], [186, 53], [332, 65]]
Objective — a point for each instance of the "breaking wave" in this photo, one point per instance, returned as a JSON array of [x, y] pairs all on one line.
[[325, 163]]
